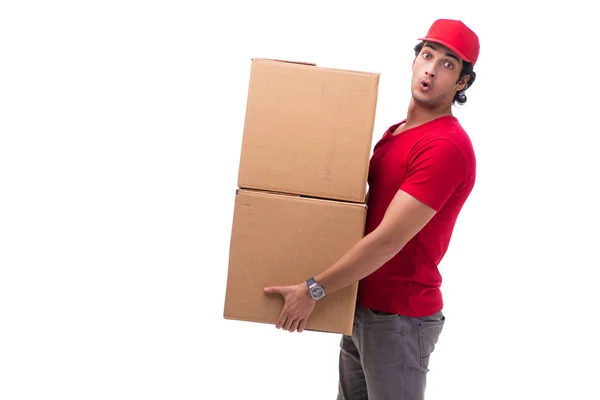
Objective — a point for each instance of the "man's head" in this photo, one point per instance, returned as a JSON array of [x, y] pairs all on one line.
[[443, 65]]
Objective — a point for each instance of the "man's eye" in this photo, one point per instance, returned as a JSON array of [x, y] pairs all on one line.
[[426, 55], [448, 65]]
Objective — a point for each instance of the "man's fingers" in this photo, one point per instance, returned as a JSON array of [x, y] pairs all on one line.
[[280, 321], [294, 326], [296, 305], [302, 325], [275, 290], [288, 323]]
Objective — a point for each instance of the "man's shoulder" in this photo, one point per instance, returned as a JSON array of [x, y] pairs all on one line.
[[449, 138], [452, 131]]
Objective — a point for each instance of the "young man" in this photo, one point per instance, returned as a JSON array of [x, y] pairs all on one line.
[[421, 173]]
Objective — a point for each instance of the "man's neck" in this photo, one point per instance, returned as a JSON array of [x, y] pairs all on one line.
[[418, 115]]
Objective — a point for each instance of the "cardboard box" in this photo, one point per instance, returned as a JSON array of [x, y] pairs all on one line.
[[308, 130], [279, 239]]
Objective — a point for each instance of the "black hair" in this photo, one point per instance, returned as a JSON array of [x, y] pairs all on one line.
[[467, 69]]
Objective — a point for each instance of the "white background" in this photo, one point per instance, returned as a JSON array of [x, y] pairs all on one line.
[[120, 133]]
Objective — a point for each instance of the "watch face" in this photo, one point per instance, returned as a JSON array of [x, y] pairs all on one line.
[[317, 292]]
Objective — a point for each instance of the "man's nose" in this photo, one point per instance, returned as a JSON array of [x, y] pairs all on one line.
[[430, 73]]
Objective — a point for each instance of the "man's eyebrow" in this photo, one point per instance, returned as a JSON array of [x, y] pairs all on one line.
[[447, 54], [453, 56]]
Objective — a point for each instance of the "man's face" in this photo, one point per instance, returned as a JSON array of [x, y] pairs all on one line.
[[435, 74]]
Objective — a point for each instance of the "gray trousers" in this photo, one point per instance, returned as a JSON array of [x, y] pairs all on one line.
[[387, 356]]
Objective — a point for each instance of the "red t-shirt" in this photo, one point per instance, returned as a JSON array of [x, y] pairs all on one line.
[[434, 163]]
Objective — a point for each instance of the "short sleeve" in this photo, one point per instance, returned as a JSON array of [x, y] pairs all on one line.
[[435, 169]]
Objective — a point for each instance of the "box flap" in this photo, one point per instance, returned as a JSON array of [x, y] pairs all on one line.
[[289, 196], [284, 61]]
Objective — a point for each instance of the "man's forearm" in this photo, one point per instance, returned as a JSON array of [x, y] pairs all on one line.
[[364, 258]]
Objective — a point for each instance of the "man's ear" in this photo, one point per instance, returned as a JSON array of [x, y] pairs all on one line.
[[463, 83]]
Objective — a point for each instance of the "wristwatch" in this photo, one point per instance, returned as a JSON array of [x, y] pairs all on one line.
[[315, 290]]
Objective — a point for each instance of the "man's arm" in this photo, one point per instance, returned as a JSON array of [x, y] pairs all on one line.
[[435, 170], [404, 218]]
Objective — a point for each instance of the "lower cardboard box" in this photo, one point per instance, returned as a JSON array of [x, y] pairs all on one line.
[[279, 239]]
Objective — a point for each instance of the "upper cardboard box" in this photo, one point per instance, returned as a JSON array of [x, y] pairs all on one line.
[[308, 130]]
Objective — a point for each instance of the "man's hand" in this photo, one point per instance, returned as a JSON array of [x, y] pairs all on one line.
[[297, 307]]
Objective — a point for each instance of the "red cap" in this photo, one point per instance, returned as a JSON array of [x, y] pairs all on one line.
[[456, 36]]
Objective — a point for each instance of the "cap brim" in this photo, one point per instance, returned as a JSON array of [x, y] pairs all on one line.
[[448, 45]]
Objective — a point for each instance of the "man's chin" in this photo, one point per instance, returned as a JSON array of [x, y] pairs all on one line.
[[424, 101]]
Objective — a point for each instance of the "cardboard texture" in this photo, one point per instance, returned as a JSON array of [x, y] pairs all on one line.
[[308, 130], [279, 239]]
